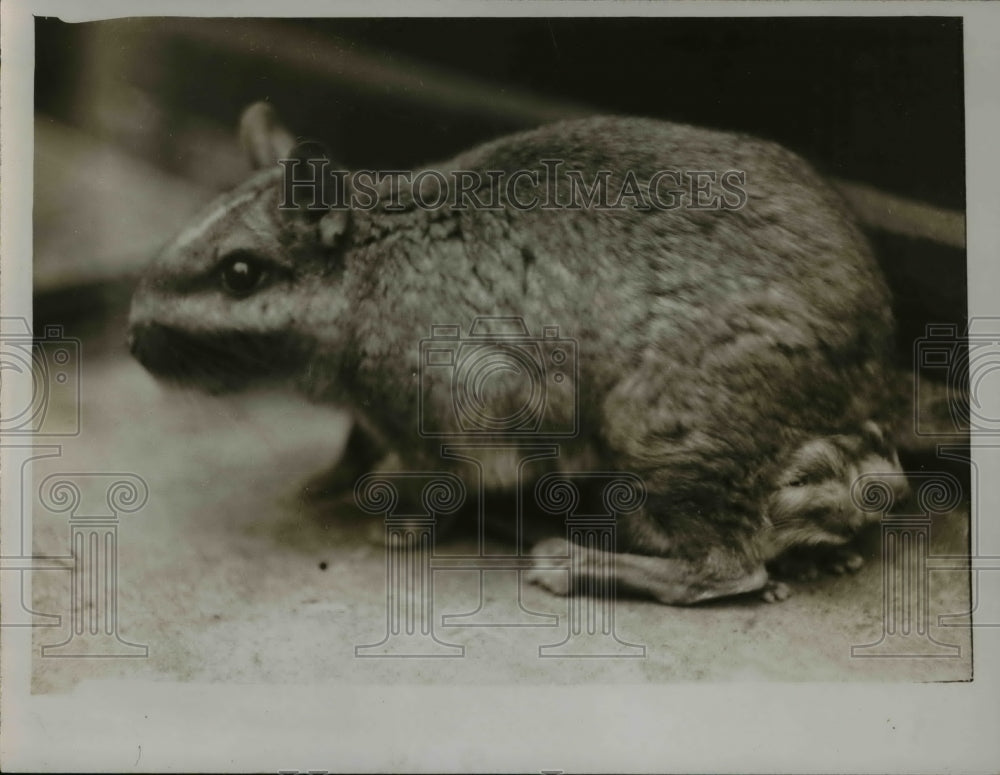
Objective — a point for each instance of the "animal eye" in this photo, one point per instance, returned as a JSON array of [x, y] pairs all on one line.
[[241, 273], [801, 479]]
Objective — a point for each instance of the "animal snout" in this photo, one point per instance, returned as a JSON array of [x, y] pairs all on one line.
[[149, 344], [135, 337], [130, 341]]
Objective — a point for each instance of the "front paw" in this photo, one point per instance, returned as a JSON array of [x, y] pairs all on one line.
[[775, 592], [551, 566], [796, 567], [810, 565], [333, 485], [845, 561]]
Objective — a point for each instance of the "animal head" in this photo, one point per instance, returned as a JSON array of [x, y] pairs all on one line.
[[238, 295], [810, 500]]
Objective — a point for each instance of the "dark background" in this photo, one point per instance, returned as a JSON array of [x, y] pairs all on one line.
[[873, 100], [879, 100]]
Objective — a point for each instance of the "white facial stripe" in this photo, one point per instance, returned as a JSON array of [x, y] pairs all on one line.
[[200, 314], [197, 231]]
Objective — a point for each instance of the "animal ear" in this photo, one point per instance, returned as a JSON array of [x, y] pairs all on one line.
[[870, 430], [314, 193], [263, 137], [877, 438], [333, 226], [316, 198]]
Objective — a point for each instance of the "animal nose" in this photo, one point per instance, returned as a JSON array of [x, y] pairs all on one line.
[[137, 337], [140, 337]]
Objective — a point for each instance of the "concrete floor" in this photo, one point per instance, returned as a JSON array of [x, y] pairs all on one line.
[[228, 576]]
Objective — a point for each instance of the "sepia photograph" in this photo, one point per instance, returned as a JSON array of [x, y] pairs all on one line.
[[557, 351]]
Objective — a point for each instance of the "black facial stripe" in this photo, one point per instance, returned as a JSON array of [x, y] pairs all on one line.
[[815, 471], [218, 361]]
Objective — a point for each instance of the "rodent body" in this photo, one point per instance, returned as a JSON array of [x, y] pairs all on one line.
[[733, 359]]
